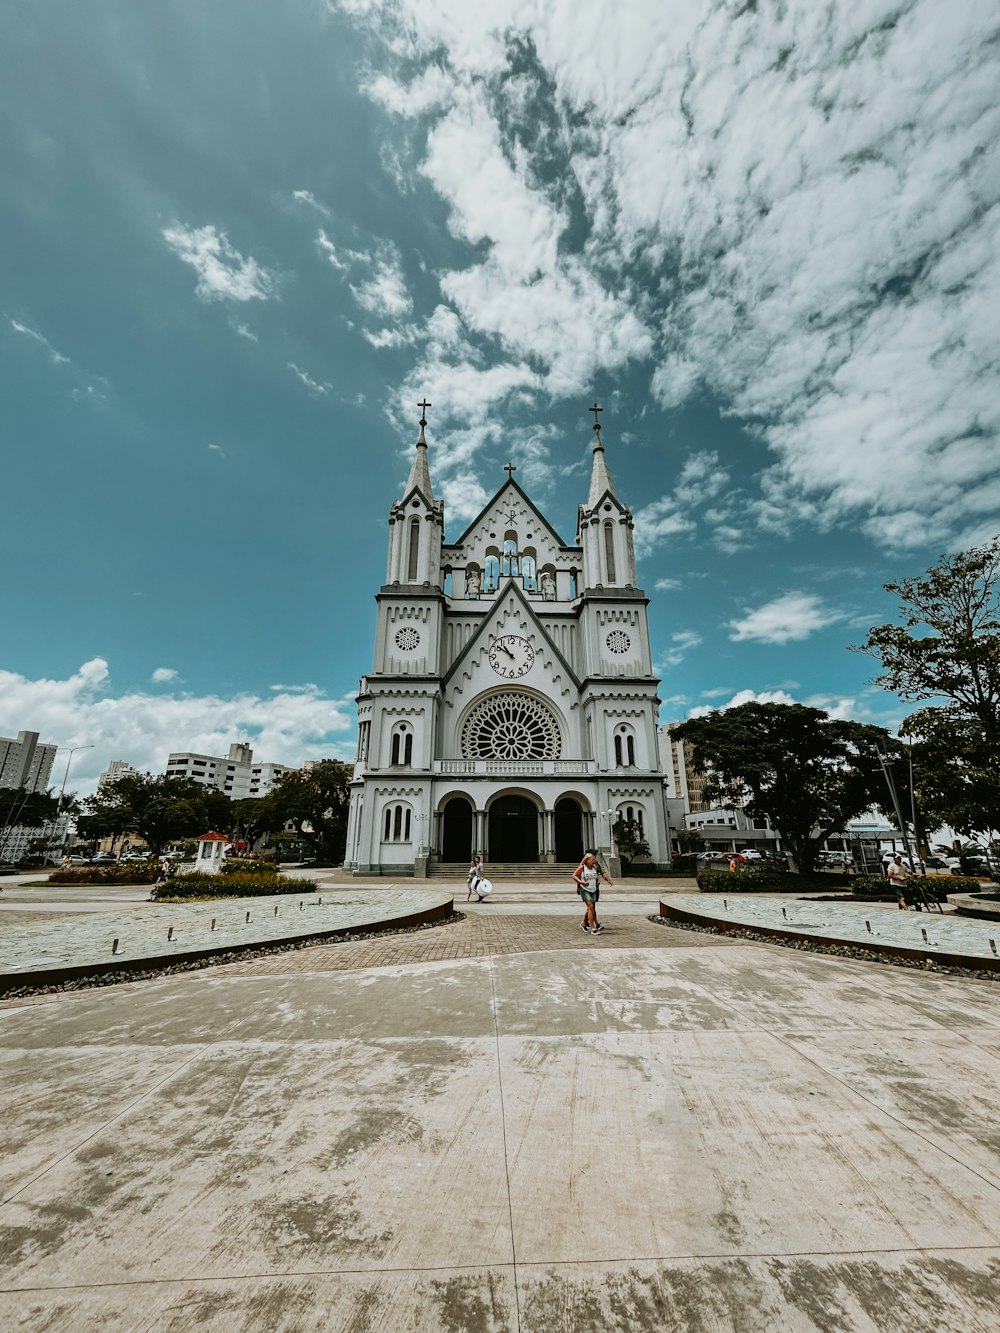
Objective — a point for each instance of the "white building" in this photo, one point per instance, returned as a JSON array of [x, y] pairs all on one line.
[[512, 706], [237, 775], [116, 769], [25, 763]]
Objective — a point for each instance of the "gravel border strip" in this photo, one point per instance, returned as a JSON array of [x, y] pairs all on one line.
[[835, 950], [237, 955]]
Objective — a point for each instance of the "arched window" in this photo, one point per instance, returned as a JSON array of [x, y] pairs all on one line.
[[401, 745], [447, 583], [630, 750], [413, 559], [508, 565], [609, 550], [572, 584], [618, 751], [624, 747], [397, 823], [528, 570], [491, 573]]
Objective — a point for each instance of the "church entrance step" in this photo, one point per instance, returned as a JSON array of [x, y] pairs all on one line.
[[506, 870]]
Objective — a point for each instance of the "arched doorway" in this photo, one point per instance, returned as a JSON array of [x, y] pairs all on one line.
[[456, 830], [513, 830], [569, 830]]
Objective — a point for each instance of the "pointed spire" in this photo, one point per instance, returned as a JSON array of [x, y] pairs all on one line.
[[600, 477], [420, 473]]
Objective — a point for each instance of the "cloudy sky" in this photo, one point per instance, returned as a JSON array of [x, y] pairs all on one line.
[[240, 242]]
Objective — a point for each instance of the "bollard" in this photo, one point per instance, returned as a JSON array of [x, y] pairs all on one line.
[[321, 902], [924, 933], [784, 914], [275, 909], [248, 916], [993, 945], [868, 926], [725, 904], [170, 933], [301, 904], [213, 922], [114, 945]]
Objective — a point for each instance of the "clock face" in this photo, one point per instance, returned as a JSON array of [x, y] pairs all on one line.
[[511, 656]]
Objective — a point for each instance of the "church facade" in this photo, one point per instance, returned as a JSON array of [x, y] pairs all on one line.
[[512, 708]]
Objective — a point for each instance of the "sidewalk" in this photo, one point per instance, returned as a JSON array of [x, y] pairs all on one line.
[[597, 1134]]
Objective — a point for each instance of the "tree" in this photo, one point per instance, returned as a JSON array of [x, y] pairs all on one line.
[[316, 800], [804, 771], [947, 650], [630, 840], [159, 809]]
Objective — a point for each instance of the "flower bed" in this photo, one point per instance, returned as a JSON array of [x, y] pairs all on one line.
[[233, 884], [136, 872]]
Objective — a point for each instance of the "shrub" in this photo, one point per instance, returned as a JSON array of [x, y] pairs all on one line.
[[235, 884], [237, 865], [936, 887], [137, 872], [749, 879]]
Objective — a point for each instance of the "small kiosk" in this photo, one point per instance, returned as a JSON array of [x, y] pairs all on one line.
[[211, 853]]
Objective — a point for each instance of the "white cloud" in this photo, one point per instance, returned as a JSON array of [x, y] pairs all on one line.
[[223, 273], [789, 207], [681, 643], [307, 197], [217, 449], [666, 585], [244, 332], [701, 480], [384, 293], [163, 674], [789, 618], [55, 357], [284, 726], [318, 387]]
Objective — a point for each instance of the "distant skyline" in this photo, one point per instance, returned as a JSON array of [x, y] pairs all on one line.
[[240, 246]]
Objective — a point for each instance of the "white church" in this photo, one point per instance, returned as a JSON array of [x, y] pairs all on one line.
[[512, 707]]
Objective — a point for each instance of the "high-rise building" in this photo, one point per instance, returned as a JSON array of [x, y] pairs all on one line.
[[116, 769], [512, 707], [237, 775], [24, 762]]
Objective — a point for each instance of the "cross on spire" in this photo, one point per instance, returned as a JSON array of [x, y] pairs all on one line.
[[510, 469], [423, 411], [596, 410]]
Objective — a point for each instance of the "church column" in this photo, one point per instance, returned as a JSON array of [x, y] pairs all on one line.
[[548, 838], [479, 839], [436, 848]]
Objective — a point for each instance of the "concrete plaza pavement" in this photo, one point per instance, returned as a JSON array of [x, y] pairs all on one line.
[[504, 1124]]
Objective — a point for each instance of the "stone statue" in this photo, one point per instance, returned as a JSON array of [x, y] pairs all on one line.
[[473, 581]]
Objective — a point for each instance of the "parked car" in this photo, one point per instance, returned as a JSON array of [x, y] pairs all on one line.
[[79, 860], [835, 859], [750, 854], [104, 859]]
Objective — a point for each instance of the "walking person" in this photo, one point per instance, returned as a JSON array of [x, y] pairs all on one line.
[[897, 875], [587, 877], [474, 876]]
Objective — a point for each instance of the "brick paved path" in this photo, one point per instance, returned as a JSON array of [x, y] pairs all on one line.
[[478, 936]]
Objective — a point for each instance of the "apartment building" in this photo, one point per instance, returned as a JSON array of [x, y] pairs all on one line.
[[236, 774], [24, 762]]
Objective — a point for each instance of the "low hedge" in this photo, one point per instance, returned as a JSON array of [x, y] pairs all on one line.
[[936, 887], [768, 879], [235, 884], [137, 872]]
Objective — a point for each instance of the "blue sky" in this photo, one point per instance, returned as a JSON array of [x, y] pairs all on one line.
[[241, 242]]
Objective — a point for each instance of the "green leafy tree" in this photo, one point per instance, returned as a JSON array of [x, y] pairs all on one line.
[[804, 771], [630, 840], [946, 653], [160, 809], [316, 802]]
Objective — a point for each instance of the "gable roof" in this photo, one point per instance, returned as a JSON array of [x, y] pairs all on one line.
[[511, 485], [515, 591]]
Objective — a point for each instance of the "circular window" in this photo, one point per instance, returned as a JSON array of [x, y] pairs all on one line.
[[510, 726], [407, 638], [618, 641]]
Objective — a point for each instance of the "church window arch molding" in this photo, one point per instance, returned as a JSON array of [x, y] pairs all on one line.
[[401, 745], [491, 569], [508, 562], [632, 812], [624, 745], [413, 549], [397, 822], [609, 551], [510, 725], [529, 576]]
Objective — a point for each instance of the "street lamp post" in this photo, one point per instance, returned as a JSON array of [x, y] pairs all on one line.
[[62, 789]]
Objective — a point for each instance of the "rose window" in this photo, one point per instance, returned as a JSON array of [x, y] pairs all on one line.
[[407, 638], [618, 641], [510, 726]]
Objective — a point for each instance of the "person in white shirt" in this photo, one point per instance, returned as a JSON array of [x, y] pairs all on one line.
[[587, 876]]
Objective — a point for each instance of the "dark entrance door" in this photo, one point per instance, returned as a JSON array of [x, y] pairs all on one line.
[[513, 830], [456, 831], [569, 830]]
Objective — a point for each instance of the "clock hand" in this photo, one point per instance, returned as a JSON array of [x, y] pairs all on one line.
[[507, 651]]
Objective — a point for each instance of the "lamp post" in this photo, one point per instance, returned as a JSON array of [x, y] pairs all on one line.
[[62, 789]]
